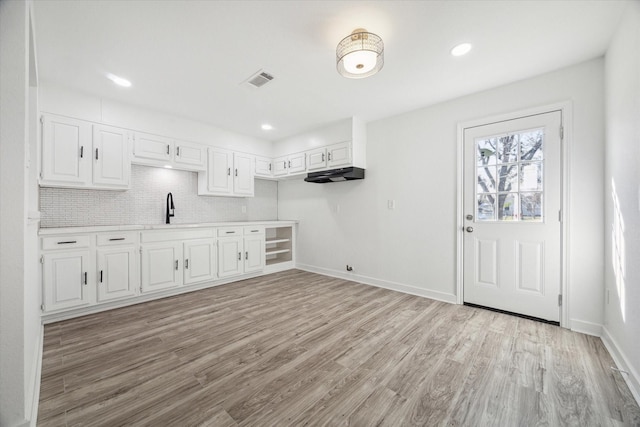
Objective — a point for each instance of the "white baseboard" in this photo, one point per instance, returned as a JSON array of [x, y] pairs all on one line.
[[584, 327], [622, 362], [394, 286], [36, 373]]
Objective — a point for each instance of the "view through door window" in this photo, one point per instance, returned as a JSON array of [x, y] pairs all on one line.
[[509, 184]]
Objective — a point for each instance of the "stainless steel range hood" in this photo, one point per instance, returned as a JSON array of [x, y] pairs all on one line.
[[336, 175]]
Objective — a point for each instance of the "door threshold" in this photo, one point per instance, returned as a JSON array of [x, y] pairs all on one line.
[[524, 316]]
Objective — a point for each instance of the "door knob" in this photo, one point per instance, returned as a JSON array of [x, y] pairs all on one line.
[[469, 229]]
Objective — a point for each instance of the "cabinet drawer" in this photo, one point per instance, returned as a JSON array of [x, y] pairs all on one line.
[[253, 230], [111, 239], [229, 231], [65, 242]]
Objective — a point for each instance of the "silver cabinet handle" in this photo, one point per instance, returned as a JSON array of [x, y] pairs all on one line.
[[116, 238], [168, 147], [284, 164], [236, 172], [85, 277], [67, 242], [229, 171], [96, 154], [186, 263], [100, 276], [176, 264], [239, 256], [246, 255], [269, 167], [178, 151], [323, 157], [81, 151], [289, 164], [329, 156]]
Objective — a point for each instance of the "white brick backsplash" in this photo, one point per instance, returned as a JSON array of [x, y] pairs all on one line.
[[145, 202]]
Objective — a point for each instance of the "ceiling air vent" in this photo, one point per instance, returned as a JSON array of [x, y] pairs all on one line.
[[259, 79]]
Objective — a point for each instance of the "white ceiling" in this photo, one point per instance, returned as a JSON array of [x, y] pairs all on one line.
[[188, 58]]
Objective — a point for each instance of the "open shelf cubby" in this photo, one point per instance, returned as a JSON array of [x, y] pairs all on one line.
[[278, 245]]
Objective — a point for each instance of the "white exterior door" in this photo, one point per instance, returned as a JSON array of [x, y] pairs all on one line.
[[112, 164], [66, 280], [161, 266], [219, 171], [229, 256], [199, 261], [116, 273], [66, 146], [512, 201], [243, 174]]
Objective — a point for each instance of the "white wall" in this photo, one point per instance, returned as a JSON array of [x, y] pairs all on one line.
[[66, 102], [20, 327], [622, 196], [411, 159]]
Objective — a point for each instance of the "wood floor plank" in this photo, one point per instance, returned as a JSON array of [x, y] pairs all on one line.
[[297, 348]]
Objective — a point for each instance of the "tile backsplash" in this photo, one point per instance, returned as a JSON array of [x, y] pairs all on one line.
[[145, 202]]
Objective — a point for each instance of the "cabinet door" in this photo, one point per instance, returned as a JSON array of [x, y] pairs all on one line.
[[317, 159], [253, 253], [161, 267], [243, 174], [219, 171], [111, 162], [116, 273], [199, 261], [280, 166], [66, 146], [66, 279], [263, 167], [152, 147], [339, 154], [296, 163], [193, 156], [229, 256]]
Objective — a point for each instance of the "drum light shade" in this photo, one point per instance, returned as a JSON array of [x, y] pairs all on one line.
[[360, 54]]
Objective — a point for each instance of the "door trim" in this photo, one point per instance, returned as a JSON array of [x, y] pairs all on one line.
[[566, 111]]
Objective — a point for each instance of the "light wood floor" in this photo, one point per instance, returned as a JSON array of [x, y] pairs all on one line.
[[298, 348]]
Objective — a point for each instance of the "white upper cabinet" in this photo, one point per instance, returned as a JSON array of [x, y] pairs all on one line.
[[190, 155], [290, 165], [228, 174], [317, 159], [263, 167], [339, 155], [76, 153], [155, 150], [111, 162], [66, 151], [243, 183]]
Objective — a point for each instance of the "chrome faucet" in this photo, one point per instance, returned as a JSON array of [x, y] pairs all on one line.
[[169, 207]]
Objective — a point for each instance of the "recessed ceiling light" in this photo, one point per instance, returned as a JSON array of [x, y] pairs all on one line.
[[119, 80], [266, 126], [168, 167], [461, 49]]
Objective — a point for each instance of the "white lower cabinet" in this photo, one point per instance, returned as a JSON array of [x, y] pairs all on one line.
[[199, 261], [160, 263], [66, 279], [240, 250], [116, 273]]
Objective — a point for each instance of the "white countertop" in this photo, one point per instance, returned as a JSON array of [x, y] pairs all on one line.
[[102, 228]]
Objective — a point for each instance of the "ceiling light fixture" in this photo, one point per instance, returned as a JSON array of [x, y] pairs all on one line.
[[360, 54], [266, 126], [461, 49], [119, 80]]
